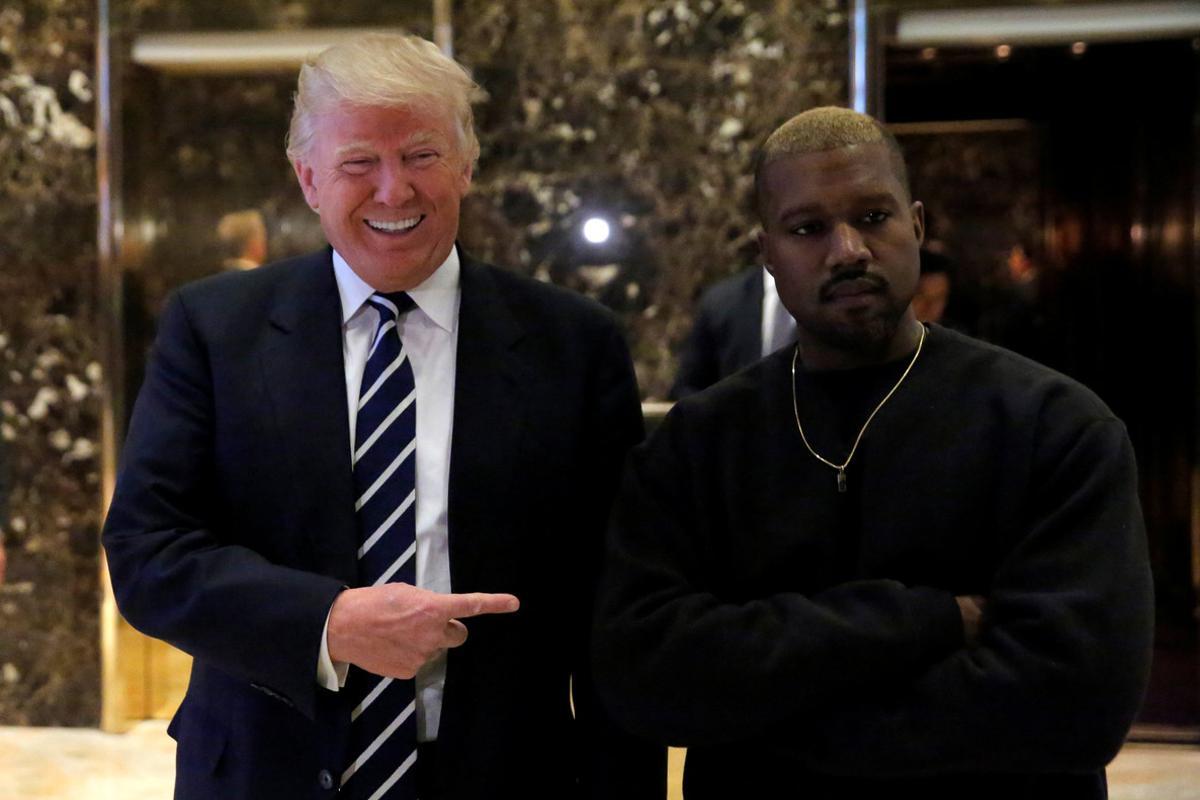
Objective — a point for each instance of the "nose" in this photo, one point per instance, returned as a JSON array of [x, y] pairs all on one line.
[[394, 188], [847, 247]]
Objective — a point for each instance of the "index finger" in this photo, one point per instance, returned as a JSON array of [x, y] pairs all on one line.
[[473, 604]]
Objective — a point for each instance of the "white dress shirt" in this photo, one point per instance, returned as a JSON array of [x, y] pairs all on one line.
[[778, 327], [429, 333]]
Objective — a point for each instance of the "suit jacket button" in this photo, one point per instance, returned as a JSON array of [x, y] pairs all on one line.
[[325, 778]]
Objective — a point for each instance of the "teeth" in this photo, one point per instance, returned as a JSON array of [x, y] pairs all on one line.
[[393, 227]]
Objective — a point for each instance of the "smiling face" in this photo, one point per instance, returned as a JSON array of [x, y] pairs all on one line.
[[842, 240], [387, 184]]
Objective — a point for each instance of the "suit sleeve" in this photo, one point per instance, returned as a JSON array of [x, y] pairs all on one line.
[[175, 573], [1064, 658], [614, 765], [680, 663]]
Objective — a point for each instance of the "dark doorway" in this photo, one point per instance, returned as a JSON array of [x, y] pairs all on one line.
[[1062, 186]]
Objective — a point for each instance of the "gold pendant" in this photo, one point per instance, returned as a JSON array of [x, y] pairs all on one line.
[[841, 476]]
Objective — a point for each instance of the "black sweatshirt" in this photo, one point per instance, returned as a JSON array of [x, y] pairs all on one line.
[[804, 642]]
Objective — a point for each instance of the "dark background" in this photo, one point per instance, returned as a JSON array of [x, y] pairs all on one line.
[[1092, 176]]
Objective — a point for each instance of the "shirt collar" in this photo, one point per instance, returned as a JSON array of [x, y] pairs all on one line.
[[436, 296], [768, 282]]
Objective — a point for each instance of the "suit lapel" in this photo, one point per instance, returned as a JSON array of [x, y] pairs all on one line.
[[488, 415], [305, 375]]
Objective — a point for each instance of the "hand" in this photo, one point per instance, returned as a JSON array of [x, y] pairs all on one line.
[[972, 607], [395, 629]]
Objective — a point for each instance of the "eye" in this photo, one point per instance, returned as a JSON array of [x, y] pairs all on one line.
[[356, 166], [422, 157], [808, 228], [876, 216]]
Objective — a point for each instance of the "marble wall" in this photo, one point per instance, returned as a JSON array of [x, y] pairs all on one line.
[[50, 378], [646, 114]]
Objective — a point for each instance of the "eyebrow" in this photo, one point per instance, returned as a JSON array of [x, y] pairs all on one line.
[[422, 137], [351, 147], [872, 199], [418, 138], [792, 211]]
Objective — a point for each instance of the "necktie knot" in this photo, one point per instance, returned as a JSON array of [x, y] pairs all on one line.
[[392, 304]]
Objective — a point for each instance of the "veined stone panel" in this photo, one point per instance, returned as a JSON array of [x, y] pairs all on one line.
[[49, 373], [645, 114]]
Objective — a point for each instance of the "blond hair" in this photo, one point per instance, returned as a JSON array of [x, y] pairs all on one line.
[[826, 128], [383, 71]]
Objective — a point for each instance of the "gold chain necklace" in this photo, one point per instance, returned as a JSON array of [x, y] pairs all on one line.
[[841, 468]]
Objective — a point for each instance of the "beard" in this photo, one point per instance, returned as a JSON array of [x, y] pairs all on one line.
[[864, 332], [867, 335]]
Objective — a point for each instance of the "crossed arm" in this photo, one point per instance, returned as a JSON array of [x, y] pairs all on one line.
[[1063, 657], [685, 666], [873, 677]]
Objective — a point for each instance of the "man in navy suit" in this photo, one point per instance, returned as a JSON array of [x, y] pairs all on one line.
[[233, 531], [738, 321]]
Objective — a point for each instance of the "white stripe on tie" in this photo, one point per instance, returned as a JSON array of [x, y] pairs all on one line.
[[397, 564], [387, 523], [384, 301], [383, 426], [397, 775], [384, 328], [379, 740], [383, 376], [387, 473], [366, 703]]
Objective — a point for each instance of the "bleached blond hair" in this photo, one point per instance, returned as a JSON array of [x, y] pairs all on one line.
[[383, 71], [826, 128]]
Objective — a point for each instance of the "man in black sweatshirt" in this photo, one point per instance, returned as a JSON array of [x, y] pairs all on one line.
[[890, 562]]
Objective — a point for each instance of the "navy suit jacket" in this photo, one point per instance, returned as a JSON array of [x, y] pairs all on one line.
[[726, 336], [232, 530]]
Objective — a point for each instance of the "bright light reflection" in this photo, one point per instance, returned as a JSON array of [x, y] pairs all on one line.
[[596, 230]]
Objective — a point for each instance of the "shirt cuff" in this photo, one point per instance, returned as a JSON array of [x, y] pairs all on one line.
[[330, 675]]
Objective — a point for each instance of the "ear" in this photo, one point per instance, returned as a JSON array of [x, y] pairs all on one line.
[[763, 254], [917, 209], [304, 174], [464, 179]]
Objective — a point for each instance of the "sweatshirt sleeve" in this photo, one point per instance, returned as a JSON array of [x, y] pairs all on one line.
[[679, 664], [1062, 665]]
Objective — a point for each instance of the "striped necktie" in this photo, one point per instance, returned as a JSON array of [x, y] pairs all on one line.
[[383, 727]]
